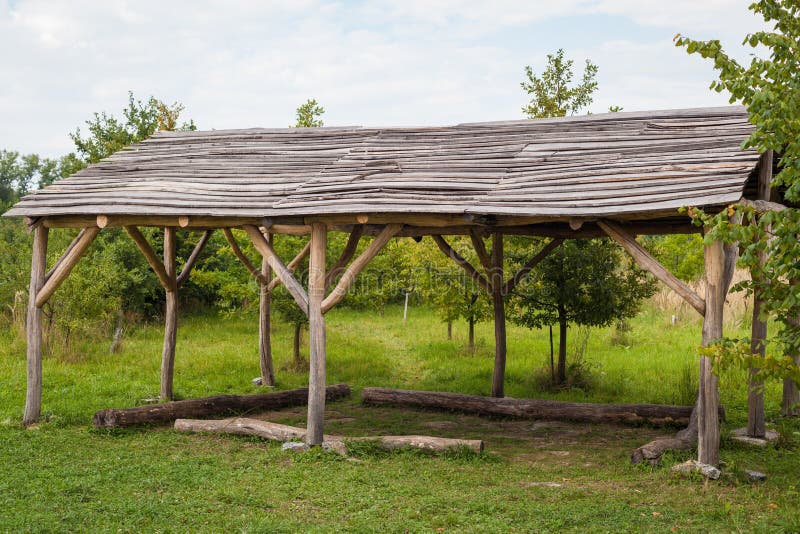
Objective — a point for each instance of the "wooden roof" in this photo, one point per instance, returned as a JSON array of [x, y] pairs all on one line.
[[634, 166]]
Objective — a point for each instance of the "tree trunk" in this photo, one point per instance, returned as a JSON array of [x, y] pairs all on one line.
[[449, 330], [653, 414], [211, 406], [552, 360], [296, 359], [791, 393], [562, 347], [242, 426], [471, 338]]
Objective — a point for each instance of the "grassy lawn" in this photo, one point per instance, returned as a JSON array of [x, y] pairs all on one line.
[[535, 476]]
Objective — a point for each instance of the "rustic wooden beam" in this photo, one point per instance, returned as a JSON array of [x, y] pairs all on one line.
[[347, 254], [756, 414], [244, 426], [193, 257], [33, 328], [483, 255], [708, 398], [315, 421], [150, 256], [644, 260], [451, 253], [496, 283], [265, 323], [293, 265], [237, 251], [349, 276], [281, 271], [530, 264], [66, 264], [218, 405], [170, 316], [72, 244]]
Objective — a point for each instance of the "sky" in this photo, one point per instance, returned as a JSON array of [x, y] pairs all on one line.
[[240, 64]]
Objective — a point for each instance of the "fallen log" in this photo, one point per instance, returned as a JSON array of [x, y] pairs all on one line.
[[652, 414], [683, 440], [211, 406], [244, 426]]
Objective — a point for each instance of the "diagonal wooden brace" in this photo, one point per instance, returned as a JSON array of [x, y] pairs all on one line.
[[281, 270]]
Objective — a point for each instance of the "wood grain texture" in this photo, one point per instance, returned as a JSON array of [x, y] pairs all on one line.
[[33, 394], [286, 276], [316, 335], [265, 322], [635, 164], [170, 316]]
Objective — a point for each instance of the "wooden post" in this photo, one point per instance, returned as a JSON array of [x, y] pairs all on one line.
[[708, 398], [170, 316], [33, 397], [264, 333], [791, 393], [316, 329], [496, 283]]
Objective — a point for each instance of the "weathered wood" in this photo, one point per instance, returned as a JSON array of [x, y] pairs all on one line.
[[653, 414], [265, 324], [66, 264], [644, 260], [530, 264], [483, 256], [790, 402], [347, 254], [151, 257], [349, 276], [242, 426], [237, 251], [33, 395], [756, 415], [708, 398], [496, 283], [281, 271], [193, 257], [451, 253], [293, 265], [316, 334], [170, 316], [78, 239], [217, 405]]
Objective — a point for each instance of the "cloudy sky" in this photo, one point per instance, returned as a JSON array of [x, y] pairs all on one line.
[[239, 63]]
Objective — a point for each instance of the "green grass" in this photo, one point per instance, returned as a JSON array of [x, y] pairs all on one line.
[[65, 476]]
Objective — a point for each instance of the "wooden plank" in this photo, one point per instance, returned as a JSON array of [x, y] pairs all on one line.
[[33, 394], [65, 265], [193, 257], [150, 255], [316, 335], [349, 276], [277, 265], [170, 316], [644, 260]]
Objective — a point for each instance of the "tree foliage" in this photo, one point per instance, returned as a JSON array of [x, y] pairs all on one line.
[[770, 88], [553, 94], [309, 114]]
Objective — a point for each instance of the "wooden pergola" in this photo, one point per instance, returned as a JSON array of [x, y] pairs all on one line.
[[618, 175]]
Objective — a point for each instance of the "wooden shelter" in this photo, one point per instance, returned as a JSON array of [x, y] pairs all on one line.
[[617, 175]]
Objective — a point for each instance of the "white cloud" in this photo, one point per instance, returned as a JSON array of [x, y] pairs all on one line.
[[388, 62]]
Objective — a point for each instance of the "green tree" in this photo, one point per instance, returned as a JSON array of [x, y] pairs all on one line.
[[769, 87], [582, 282], [309, 114], [552, 94]]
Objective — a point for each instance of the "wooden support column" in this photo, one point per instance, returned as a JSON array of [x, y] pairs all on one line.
[[264, 323], [708, 398], [33, 397], [170, 316], [790, 404], [316, 329], [756, 416], [496, 279]]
